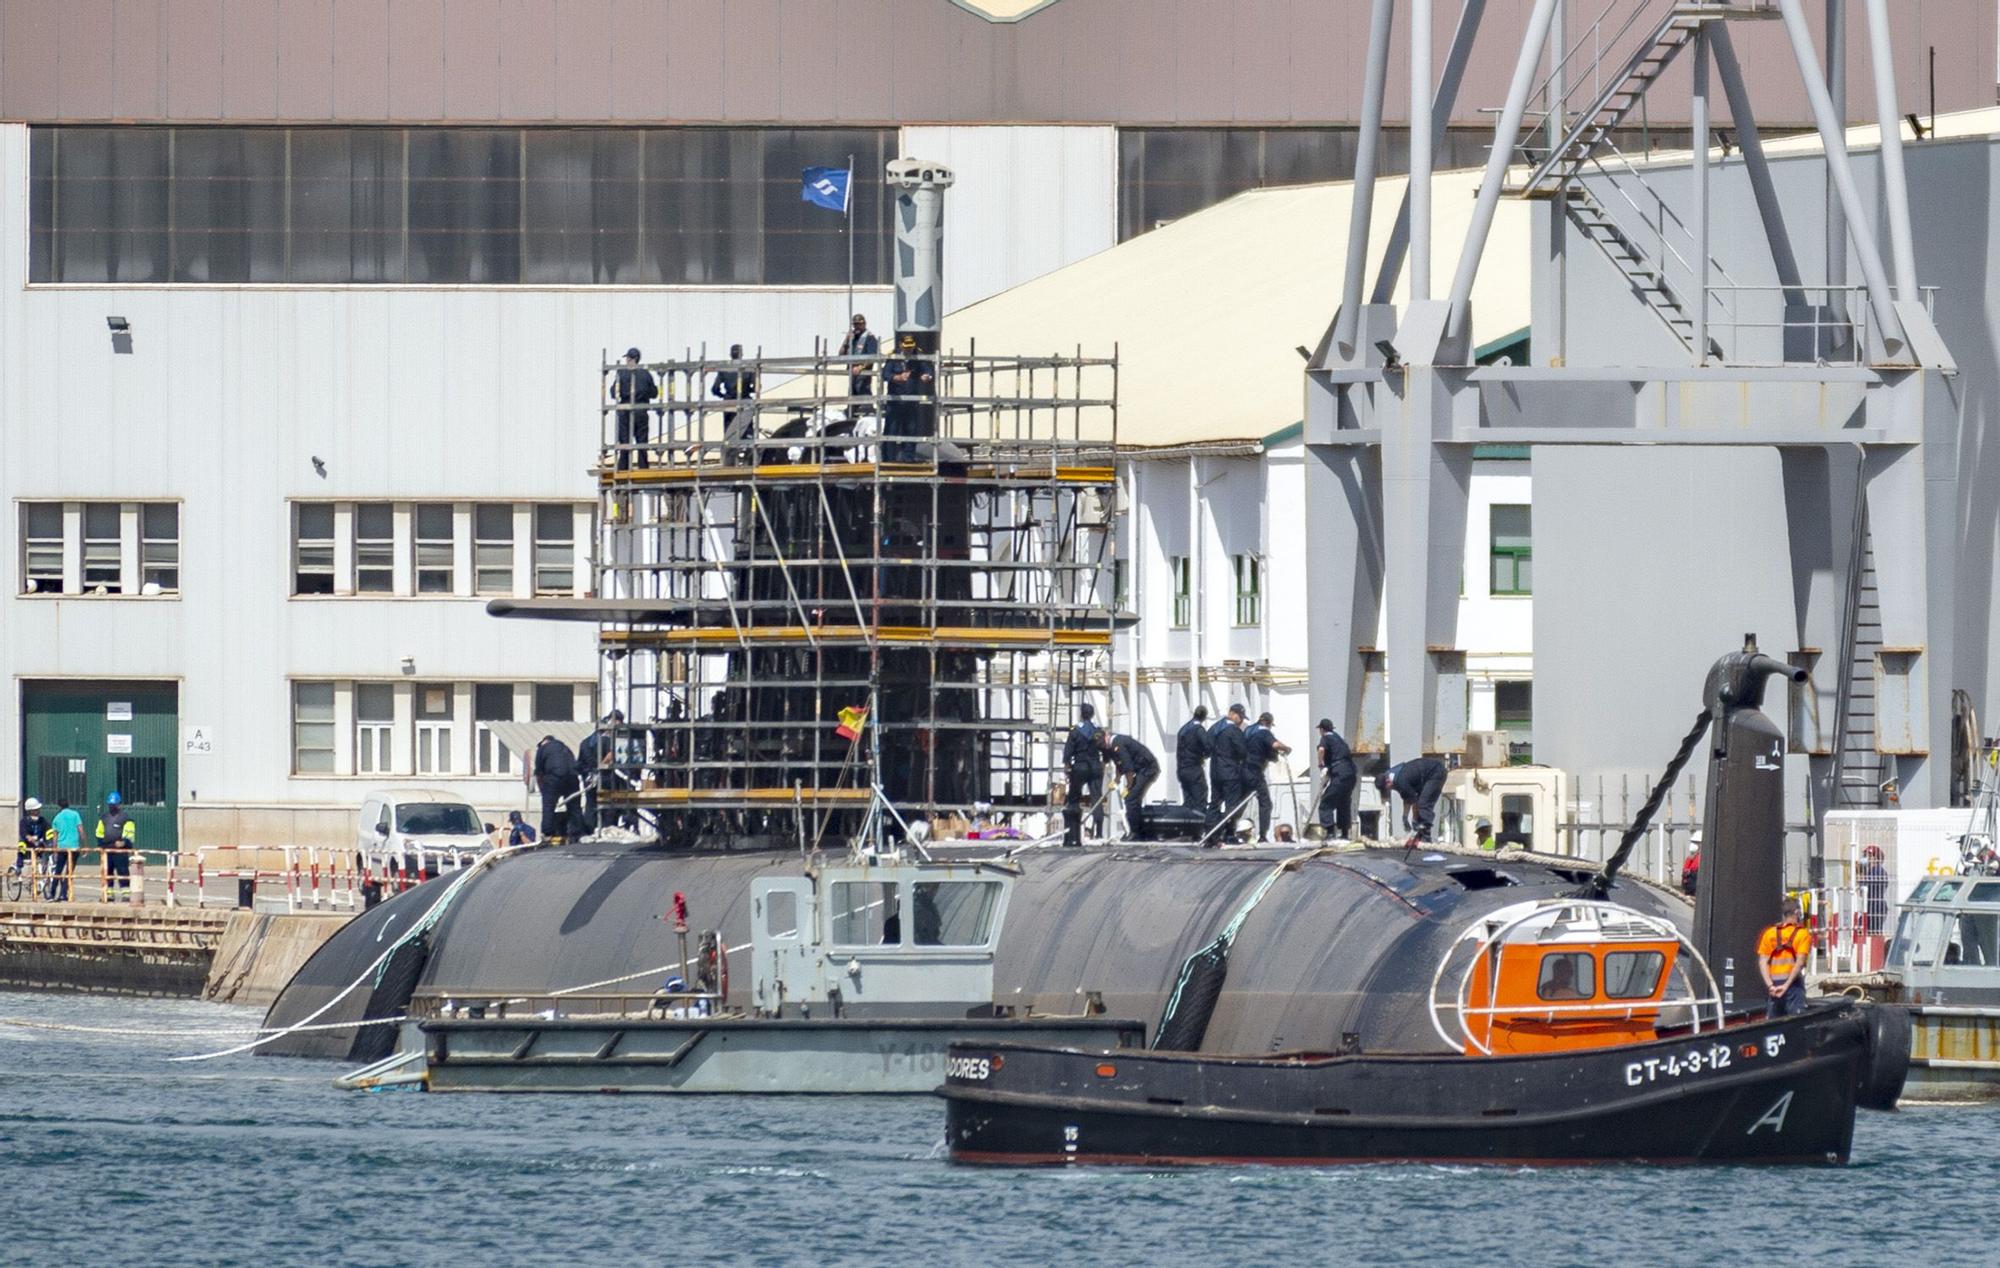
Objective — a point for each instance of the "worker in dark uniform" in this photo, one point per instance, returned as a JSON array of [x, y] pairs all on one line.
[[553, 772], [910, 379], [860, 342], [117, 837], [1225, 763], [1135, 763], [737, 385], [1083, 763], [1191, 760], [631, 389], [1261, 747], [1419, 782], [1336, 796]]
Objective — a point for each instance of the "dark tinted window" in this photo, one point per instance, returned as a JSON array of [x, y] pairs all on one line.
[[550, 206]]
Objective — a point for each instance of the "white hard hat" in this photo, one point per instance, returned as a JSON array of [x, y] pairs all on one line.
[[31, 805], [1694, 838]]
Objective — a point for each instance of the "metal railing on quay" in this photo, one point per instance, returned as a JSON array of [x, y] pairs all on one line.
[[88, 875]]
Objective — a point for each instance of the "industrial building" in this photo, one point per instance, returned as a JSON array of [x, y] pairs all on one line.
[[298, 303]]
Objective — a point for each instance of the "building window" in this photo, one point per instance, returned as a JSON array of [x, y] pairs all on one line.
[[491, 702], [1183, 591], [312, 548], [434, 543], [433, 715], [312, 728], [555, 702], [103, 554], [159, 548], [375, 548], [91, 537], [42, 548], [374, 728], [493, 549], [555, 549], [1512, 551], [1249, 589], [1514, 713], [451, 206], [1120, 579]]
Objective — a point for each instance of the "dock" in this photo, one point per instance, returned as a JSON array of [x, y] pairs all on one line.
[[228, 955]]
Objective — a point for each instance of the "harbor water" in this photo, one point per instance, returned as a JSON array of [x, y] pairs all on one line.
[[110, 1153]]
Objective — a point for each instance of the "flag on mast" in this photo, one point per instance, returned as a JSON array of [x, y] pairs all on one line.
[[827, 187], [852, 720]]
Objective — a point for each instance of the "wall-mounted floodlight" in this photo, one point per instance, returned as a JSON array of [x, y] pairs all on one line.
[[119, 325]]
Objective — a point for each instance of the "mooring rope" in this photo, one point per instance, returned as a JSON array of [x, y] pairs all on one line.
[[67, 1028], [1599, 885]]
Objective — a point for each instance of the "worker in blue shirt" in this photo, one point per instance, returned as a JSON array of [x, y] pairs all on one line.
[[1336, 796], [1083, 764], [1261, 747], [1225, 764], [1191, 760], [1419, 782], [69, 839]]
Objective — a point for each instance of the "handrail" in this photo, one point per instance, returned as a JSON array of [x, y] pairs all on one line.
[[1586, 117], [1850, 633]]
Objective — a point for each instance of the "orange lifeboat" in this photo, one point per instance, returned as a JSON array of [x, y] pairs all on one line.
[[1567, 974]]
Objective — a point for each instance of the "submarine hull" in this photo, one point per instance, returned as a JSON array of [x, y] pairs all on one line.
[[1782, 1091]]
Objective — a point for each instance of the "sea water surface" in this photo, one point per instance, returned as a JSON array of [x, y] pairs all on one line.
[[111, 1154]]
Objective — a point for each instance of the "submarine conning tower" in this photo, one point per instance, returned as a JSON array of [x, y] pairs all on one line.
[[1742, 878], [822, 573]]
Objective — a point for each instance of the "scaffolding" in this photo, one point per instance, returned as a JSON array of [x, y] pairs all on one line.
[[818, 577]]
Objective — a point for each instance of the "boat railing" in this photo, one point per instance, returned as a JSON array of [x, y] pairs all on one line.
[[557, 1006]]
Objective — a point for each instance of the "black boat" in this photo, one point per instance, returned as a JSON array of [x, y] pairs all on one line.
[[1772, 1091], [1568, 1029]]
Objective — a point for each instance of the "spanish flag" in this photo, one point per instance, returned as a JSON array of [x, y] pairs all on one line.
[[852, 720]]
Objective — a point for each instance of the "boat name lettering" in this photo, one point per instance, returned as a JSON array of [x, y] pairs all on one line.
[[1695, 1061], [910, 1056], [974, 1069]]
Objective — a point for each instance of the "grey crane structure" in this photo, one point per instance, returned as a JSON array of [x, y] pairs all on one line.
[[1858, 404]]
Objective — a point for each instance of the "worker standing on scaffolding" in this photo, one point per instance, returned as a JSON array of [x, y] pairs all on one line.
[[1083, 763], [738, 384], [911, 378], [860, 342], [632, 388]]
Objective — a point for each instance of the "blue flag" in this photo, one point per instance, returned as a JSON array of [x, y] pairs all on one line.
[[827, 187]]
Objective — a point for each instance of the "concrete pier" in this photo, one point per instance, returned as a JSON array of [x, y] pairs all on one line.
[[232, 956]]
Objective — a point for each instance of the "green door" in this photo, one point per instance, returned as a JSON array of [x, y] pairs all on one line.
[[85, 740]]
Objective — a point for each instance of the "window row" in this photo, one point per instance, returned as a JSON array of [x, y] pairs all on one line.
[[1248, 571], [445, 549], [420, 728], [439, 205], [102, 548]]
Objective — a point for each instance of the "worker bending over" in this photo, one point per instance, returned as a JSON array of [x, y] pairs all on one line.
[[1419, 782], [1135, 763]]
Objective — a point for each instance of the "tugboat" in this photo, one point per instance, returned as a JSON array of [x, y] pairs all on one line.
[[1569, 1030]]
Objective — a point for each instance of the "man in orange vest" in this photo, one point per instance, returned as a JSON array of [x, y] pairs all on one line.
[[1781, 958]]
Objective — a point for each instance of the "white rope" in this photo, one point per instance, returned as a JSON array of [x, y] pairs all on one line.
[[429, 919]]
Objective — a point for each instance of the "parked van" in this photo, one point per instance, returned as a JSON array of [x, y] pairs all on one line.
[[417, 830]]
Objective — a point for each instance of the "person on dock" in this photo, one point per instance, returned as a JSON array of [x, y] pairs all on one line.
[[1191, 760], [1874, 885], [1419, 782], [860, 342], [1691, 866], [633, 387], [68, 828], [553, 773], [1336, 796], [1781, 957], [1261, 747], [117, 837], [1225, 764], [1135, 763], [1083, 764], [31, 834], [739, 384]]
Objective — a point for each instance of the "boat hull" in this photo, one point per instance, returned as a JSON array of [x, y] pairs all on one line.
[[726, 1055], [1778, 1092]]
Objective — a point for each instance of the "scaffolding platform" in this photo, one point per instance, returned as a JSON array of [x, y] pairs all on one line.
[[816, 579]]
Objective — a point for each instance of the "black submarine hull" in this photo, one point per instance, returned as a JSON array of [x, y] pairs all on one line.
[[1781, 1091]]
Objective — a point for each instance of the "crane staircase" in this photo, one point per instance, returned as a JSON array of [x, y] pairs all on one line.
[[1857, 766], [1554, 169]]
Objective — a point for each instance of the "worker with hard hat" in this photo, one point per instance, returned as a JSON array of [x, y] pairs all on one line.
[[1691, 867], [30, 834], [117, 836]]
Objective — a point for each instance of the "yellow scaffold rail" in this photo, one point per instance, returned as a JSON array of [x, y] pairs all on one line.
[[757, 796], [786, 471]]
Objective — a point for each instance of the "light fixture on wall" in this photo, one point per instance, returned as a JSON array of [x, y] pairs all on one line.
[[409, 664], [121, 334]]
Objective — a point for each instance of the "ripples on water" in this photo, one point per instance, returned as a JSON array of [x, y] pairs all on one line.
[[109, 1154]]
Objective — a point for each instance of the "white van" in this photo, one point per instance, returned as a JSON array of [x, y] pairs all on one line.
[[417, 830]]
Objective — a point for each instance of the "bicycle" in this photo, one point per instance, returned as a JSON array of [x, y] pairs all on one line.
[[28, 876]]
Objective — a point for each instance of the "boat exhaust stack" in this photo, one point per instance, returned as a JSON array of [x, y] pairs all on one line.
[[1741, 881]]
